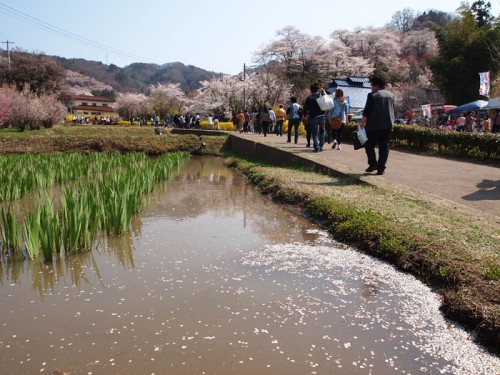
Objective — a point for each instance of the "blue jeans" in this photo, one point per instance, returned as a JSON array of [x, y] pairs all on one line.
[[317, 126], [279, 127]]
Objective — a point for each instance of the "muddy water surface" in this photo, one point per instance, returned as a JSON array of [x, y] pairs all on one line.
[[216, 279]]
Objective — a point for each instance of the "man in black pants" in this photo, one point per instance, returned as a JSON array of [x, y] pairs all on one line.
[[378, 119]]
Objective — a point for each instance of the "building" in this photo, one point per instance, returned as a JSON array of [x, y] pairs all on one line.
[[88, 105], [356, 89]]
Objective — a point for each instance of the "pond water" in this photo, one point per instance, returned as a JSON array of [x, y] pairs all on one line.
[[217, 279]]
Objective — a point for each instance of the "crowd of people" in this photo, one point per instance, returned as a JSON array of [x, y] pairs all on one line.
[[188, 121], [327, 127], [94, 120], [469, 122]]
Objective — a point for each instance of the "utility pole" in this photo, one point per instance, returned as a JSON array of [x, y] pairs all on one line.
[[244, 88], [8, 50]]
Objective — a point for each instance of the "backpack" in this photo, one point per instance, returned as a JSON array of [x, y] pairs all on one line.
[[299, 113]]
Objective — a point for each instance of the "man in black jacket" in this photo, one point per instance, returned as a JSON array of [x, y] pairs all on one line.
[[378, 119]]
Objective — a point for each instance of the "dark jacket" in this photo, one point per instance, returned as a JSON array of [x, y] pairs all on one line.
[[379, 110], [311, 106]]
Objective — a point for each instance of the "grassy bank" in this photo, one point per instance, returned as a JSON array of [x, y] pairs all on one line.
[[98, 138], [451, 249]]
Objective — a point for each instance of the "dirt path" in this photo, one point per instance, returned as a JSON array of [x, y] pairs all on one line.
[[472, 184]]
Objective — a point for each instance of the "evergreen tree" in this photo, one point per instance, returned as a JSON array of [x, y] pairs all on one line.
[[467, 46]]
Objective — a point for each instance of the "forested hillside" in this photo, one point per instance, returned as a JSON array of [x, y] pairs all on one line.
[[137, 77]]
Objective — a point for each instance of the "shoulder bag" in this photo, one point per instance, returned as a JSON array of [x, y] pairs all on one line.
[[336, 122], [325, 101]]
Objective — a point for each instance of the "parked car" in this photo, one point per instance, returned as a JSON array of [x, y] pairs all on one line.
[[356, 115]]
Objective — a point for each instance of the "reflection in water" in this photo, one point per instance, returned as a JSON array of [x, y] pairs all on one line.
[[215, 279]]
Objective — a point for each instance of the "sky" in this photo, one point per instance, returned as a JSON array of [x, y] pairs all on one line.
[[217, 35]]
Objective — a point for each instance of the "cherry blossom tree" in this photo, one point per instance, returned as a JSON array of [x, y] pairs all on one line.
[[266, 88], [341, 61], [30, 111], [295, 55], [167, 98], [223, 95], [381, 47], [132, 105], [78, 84], [422, 44], [4, 108]]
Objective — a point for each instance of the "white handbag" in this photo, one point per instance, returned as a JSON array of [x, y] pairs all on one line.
[[325, 101]]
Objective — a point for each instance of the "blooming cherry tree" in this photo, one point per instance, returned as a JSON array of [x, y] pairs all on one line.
[[166, 98], [4, 108], [131, 105]]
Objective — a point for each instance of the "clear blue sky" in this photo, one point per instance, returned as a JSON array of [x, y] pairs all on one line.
[[217, 35]]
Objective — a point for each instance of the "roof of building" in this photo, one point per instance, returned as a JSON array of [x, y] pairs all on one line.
[[94, 98], [94, 108], [355, 89], [351, 81]]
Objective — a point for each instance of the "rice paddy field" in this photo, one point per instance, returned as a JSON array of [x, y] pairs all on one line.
[[96, 192]]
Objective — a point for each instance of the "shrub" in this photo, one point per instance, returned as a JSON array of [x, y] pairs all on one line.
[[453, 143]]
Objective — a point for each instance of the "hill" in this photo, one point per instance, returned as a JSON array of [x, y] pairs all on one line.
[[137, 77]]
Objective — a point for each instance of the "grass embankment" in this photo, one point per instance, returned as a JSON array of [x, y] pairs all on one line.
[[451, 249], [102, 138]]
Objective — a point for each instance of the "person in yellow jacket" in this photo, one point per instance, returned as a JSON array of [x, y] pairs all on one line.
[[241, 120], [280, 120]]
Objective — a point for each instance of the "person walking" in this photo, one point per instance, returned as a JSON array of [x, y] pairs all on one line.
[[241, 121], [486, 124], [315, 118], [265, 120], [294, 114], [495, 121], [338, 118], [280, 120], [378, 121], [272, 123], [460, 123]]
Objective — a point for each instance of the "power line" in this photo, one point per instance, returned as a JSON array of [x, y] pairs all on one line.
[[7, 10]]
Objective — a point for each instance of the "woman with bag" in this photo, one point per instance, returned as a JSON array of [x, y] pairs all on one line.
[[338, 118]]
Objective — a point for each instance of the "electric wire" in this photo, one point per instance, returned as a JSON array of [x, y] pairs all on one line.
[[9, 11]]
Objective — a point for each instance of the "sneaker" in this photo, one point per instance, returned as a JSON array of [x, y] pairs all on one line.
[[338, 147], [335, 143], [370, 169], [380, 172]]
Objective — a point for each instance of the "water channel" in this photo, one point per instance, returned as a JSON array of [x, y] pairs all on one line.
[[217, 279]]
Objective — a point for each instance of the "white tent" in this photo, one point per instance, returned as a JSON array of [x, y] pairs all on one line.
[[494, 103]]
